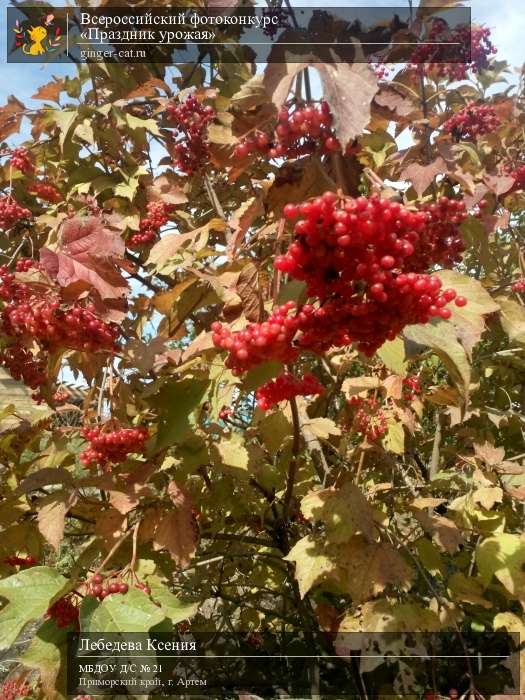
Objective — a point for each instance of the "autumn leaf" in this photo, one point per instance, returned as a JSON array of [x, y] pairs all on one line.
[[52, 511], [11, 117], [241, 221], [366, 569], [176, 531], [422, 176], [166, 188], [50, 91], [344, 511], [312, 564], [87, 257], [248, 289]]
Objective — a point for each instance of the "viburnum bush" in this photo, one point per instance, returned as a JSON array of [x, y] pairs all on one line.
[[261, 361]]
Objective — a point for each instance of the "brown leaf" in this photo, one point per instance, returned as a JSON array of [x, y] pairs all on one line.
[[149, 89], [144, 355], [201, 343], [444, 531], [166, 188], [87, 258], [395, 101], [499, 184], [50, 91], [490, 454], [422, 176], [109, 526], [365, 569], [176, 532], [127, 499], [248, 289], [51, 516], [11, 117], [241, 221]]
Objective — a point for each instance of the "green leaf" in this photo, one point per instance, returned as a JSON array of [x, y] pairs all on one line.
[[274, 428], [260, 375], [175, 402], [47, 654], [441, 337], [132, 612], [29, 594], [344, 511], [127, 189], [511, 622], [173, 607], [392, 353], [148, 124]]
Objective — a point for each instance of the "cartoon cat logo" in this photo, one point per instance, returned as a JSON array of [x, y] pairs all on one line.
[[35, 41], [36, 36]]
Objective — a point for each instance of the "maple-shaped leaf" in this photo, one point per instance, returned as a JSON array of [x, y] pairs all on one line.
[[11, 117], [50, 91], [88, 257]]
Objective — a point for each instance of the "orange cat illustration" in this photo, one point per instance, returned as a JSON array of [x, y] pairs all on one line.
[[37, 36]]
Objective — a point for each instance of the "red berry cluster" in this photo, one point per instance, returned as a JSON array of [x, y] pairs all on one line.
[[158, 216], [96, 587], [411, 387], [45, 191], [191, 119], [14, 688], [11, 212], [112, 446], [53, 327], [21, 160], [472, 121], [365, 262], [23, 366], [297, 133], [285, 387], [64, 612], [20, 561], [442, 243], [518, 173], [225, 413], [25, 264], [61, 395], [369, 419], [29, 316], [519, 286], [259, 341], [432, 57]]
